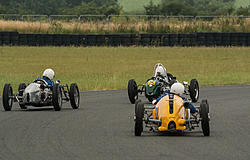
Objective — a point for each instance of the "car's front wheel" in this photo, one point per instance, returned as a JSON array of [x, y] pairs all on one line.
[[136, 103], [204, 110], [139, 115], [7, 97], [57, 97], [74, 96]]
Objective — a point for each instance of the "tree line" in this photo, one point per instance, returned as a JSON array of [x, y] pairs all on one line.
[[196, 7], [109, 7], [53, 7]]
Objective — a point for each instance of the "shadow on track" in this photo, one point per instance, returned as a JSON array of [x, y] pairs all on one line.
[[39, 110]]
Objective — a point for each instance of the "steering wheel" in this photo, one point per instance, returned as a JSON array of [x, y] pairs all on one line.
[[41, 81], [159, 77]]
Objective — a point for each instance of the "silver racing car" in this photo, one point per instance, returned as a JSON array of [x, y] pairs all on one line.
[[39, 94]]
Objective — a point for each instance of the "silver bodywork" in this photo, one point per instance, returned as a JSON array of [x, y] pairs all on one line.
[[40, 94], [32, 95]]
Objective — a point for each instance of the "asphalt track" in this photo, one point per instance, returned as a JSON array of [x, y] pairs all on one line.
[[103, 128]]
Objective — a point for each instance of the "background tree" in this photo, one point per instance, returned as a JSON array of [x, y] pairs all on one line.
[[107, 7], [244, 11], [177, 7], [193, 7], [152, 9], [49, 7]]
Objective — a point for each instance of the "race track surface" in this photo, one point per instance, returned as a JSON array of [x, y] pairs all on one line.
[[103, 128]]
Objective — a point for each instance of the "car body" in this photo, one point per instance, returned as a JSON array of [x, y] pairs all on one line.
[[39, 94], [155, 87], [171, 114]]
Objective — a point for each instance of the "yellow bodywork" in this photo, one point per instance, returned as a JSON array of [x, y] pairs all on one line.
[[162, 112]]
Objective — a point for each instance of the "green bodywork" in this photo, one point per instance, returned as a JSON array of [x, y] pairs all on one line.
[[152, 89]]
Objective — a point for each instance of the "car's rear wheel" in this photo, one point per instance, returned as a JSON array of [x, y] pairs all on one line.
[[139, 115], [194, 90], [7, 97], [57, 97], [204, 110], [21, 88], [132, 91], [74, 96]]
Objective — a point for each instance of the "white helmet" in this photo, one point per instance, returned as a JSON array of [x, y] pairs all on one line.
[[159, 69], [49, 73], [177, 88]]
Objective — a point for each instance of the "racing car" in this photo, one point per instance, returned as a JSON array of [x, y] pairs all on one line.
[[171, 114], [155, 87], [39, 94]]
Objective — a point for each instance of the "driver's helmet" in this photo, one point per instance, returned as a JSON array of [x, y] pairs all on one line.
[[159, 69], [177, 88], [49, 73]]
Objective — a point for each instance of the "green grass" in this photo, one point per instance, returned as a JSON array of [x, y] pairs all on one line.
[[135, 6], [110, 68]]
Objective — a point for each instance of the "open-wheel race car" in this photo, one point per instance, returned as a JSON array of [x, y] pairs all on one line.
[[159, 84], [39, 94], [155, 87], [171, 114]]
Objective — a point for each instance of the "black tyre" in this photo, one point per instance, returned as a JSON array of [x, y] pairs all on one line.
[[150, 99], [204, 117], [194, 90], [139, 115], [74, 96], [136, 103], [7, 99], [172, 81], [132, 91], [170, 76], [57, 97], [205, 101], [21, 88]]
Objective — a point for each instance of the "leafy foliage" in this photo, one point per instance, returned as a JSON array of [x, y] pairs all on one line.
[[50, 7], [108, 7], [195, 7], [242, 3]]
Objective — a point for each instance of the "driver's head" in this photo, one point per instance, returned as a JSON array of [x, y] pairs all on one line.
[[49, 73], [160, 69], [177, 88]]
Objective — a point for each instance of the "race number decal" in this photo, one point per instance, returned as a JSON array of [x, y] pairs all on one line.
[[151, 82]]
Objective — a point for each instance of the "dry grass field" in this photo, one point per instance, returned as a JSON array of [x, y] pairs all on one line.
[[123, 25], [98, 68]]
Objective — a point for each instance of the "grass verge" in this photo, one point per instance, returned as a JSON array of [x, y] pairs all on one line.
[[99, 68]]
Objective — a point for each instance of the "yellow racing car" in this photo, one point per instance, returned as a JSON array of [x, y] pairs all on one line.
[[171, 114]]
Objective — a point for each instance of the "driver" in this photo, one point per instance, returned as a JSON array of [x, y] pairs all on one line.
[[178, 89], [48, 76], [160, 70]]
